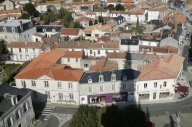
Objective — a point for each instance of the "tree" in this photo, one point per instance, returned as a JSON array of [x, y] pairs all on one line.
[[31, 10], [96, 22], [111, 7], [85, 117], [90, 23], [119, 7], [3, 47], [101, 20], [24, 16]]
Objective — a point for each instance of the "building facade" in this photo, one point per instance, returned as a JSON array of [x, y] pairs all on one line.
[[16, 108]]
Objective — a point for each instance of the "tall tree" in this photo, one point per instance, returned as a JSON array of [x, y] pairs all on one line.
[[85, 117], [119, 7], [90, 23], [3, 47], [111, 7], [31, 10]]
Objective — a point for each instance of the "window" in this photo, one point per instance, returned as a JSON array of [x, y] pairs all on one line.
[[89, 80], [59, 85], [145, 85], [90, 88], [13, 29], [90, 51], [23, 84], [77, 60], [68, 59], [124, 85], [25, 107], [164, 84], [60, 95], [26, 49], [33, 83], [113, 86], [9, 122], [17, 114], [71, 96], [70, 85], [4, 29], [19, 49], [46, 83], [155, 84], [124, 77], [33, 50], [98, 51], [113, 77], [101, 78], [101, 88], [106, 52], [85, 65], [47, 94]]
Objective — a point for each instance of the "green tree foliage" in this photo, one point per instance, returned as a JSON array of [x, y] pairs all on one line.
[[110, 116], [101, 20], [96, 22], [85, 117], [95, 7], [119, 7], [49, 16], [138, 29], [31, 10], [90, 23], [3, 47], [24, 16], [111, 7]]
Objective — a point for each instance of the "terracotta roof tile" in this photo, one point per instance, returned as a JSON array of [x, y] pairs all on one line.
[[70, 31], [74, 54], [166, 68], [25, 45], [45, 64]]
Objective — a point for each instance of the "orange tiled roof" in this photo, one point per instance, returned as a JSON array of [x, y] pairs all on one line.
[[10, 11], [70, 31], [25, 45], [74, 54], [45, 64], [99, 27], [85, 19], [166, 68]]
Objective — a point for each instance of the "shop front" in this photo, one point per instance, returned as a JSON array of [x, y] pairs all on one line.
[[107, 98]]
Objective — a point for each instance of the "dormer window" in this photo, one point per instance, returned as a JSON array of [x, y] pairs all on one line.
[[101, 78], [4, 29], [44, 30], [89, 80], [113, 77], [53, 30], [124, 77], [13, 29]]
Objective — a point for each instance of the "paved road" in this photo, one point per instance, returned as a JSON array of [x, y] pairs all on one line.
[[184, 106], [52, 122]]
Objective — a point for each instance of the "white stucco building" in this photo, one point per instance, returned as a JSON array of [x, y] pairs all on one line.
[[24, 51], [158, 78], [58, 82]]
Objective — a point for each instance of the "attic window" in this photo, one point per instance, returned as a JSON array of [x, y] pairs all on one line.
[[124, 77], [44, 30], [101, 78], [113, 77], [89, 80], [4, 29], [53, 30]]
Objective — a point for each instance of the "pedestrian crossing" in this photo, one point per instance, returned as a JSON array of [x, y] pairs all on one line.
[[47, 111]]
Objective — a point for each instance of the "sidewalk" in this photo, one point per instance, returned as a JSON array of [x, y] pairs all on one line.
[[63, 105], [160, 121]]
